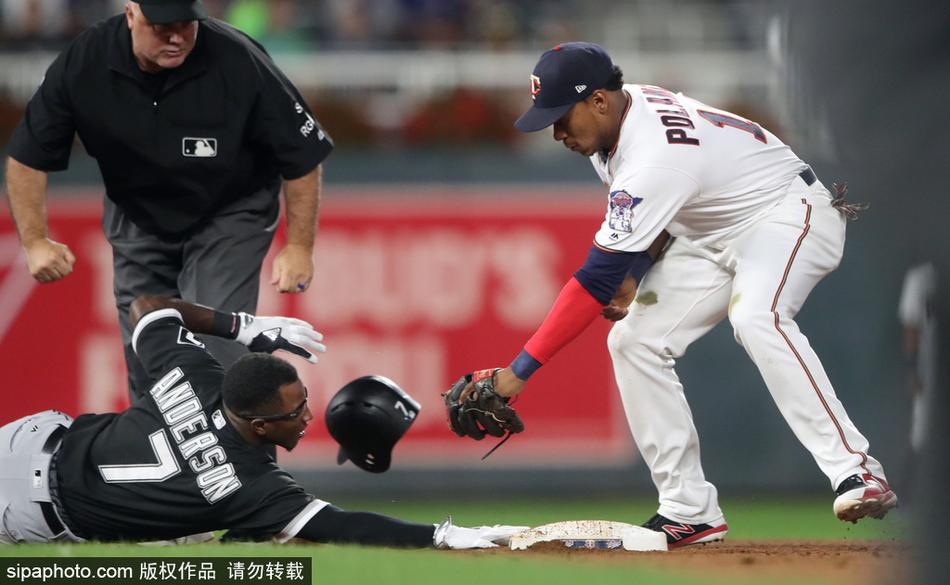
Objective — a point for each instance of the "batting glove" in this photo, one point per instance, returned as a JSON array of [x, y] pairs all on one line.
[[268, 334]]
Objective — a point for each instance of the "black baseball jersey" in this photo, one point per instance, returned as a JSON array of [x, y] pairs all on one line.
[[212, 136], [172, 464]]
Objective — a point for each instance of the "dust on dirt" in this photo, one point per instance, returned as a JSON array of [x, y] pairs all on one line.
[[844, 562]]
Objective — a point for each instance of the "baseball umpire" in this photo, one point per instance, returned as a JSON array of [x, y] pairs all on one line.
[[755, 231], [191, 456], [193, 128]]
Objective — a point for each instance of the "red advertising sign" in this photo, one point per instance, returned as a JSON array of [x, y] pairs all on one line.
[[418, 286]]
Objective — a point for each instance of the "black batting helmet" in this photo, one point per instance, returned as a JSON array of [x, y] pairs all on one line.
[[367, 417]]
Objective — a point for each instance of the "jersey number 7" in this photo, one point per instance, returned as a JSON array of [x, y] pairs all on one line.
[[165, 466]]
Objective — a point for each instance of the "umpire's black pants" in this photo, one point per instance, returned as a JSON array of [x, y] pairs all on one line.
[[217, 265]]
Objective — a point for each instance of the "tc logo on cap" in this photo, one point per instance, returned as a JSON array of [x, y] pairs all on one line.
[[535, 86], [199, 147], [571, 72]]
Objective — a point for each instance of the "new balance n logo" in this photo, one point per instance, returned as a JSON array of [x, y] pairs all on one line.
[[678, 531]]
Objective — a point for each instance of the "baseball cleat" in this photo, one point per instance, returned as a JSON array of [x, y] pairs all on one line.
[[864, 495], [679, 534]]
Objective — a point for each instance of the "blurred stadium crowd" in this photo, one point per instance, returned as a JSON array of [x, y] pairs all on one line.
[[408, 24], [349, 24], [392, 73]]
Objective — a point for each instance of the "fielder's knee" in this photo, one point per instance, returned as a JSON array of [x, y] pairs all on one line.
[[745, 321], [625, 340], [618, 338]]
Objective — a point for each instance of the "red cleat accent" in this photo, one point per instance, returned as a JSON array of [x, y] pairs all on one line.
[[861, 496]]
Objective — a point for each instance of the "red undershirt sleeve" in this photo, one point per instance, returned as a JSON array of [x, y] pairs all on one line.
[[573, 310]]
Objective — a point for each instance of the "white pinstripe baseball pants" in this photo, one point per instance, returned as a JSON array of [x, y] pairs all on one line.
[[760, 280]]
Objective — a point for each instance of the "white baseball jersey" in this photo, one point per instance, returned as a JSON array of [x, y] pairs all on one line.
[[696, 171]]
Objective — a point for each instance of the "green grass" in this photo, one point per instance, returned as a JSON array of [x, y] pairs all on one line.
[[749, 519]]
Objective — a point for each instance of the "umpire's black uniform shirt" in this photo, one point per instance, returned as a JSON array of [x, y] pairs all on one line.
[[213, 135], [172, 464]]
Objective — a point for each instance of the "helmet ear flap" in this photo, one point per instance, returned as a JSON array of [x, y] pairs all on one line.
[[367, 417]]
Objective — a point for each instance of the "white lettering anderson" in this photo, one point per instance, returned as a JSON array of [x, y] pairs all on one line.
[[183, 414]]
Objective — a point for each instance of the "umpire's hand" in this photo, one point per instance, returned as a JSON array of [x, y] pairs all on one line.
[[293, 269], [47, 260]]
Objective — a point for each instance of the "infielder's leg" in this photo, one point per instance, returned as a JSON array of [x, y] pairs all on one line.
[[141, 264], [222, 269], [681, 298], [777, 265]]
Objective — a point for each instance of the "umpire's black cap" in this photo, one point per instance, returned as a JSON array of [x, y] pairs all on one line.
[[564, 75], [367, 417], [166, 11]]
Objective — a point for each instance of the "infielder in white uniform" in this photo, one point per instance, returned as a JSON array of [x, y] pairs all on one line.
[[753, 232]]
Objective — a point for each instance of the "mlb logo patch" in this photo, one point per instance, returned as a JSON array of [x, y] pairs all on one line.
[[199, 147]]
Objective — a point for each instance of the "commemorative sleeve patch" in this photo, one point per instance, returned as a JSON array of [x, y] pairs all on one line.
[[620, 216]]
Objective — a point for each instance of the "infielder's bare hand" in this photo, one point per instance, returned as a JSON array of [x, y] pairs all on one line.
[[619, 306], [48, 261], [507, 384], [293, 269], [614, 312]]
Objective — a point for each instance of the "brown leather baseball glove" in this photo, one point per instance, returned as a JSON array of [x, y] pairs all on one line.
[[475, 409]]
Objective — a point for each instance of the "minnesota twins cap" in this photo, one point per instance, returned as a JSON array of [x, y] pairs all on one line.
[[564, 75], [166, 11]]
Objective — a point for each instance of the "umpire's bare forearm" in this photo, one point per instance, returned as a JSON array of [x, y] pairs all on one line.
[[26, 190], [302, 197]]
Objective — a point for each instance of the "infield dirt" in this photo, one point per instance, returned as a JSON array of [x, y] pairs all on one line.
[[864, 562]]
